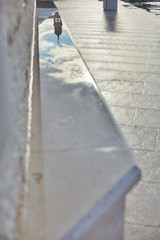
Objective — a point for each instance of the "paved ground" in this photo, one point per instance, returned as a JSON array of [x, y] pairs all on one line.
[[123, 54]]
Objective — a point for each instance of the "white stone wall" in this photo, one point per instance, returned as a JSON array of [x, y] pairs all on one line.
[[16, 28]]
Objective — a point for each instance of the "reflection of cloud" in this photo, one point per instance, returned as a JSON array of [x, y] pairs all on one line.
[[67, 59], [48, 66], [69, 67], [63, 54], [45, 45], [60, 61]]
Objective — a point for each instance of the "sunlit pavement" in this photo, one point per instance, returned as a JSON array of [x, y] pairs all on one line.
[[123, 54]]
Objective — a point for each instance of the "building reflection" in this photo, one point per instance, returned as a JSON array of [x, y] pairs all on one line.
[[57, 22]]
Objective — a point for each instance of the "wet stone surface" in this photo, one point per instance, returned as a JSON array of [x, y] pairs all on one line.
[[84, 154], [130, 53], [65, 78]]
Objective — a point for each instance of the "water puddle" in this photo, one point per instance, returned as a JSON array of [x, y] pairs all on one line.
[[59, 59]]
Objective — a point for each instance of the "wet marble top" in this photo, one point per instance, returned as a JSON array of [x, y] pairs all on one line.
[[87, 163]]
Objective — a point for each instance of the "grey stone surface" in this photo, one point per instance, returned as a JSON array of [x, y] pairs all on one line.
[[135, 232], [88, 167], [113, 66], [150, 169], [88, 174], [158, 141], [125, 47], [144, 203], [126, 76], [123, 115], [140, 137], [16, 31], [112, 56], [132, 100], [103, 229], [147, 118], [121, 86], [34, 219], [152, 88]]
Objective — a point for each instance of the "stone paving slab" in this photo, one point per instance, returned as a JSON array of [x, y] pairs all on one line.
[[122, 52], [133, 100]]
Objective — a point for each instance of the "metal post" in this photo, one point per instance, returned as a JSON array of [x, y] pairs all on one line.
[[110, 5]]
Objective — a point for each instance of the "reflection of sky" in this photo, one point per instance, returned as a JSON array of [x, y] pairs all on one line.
[[59, 60], [45, 12], [64, 38], [49, 39]]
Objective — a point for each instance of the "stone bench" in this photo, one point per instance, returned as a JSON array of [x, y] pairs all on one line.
[[88, 167]]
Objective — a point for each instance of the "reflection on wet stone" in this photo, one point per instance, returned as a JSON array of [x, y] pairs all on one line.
[[57, 22], [111, 21], [75, 121], [65, 78]]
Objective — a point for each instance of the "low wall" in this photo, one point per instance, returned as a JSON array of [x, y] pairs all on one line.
[[16, 27]]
